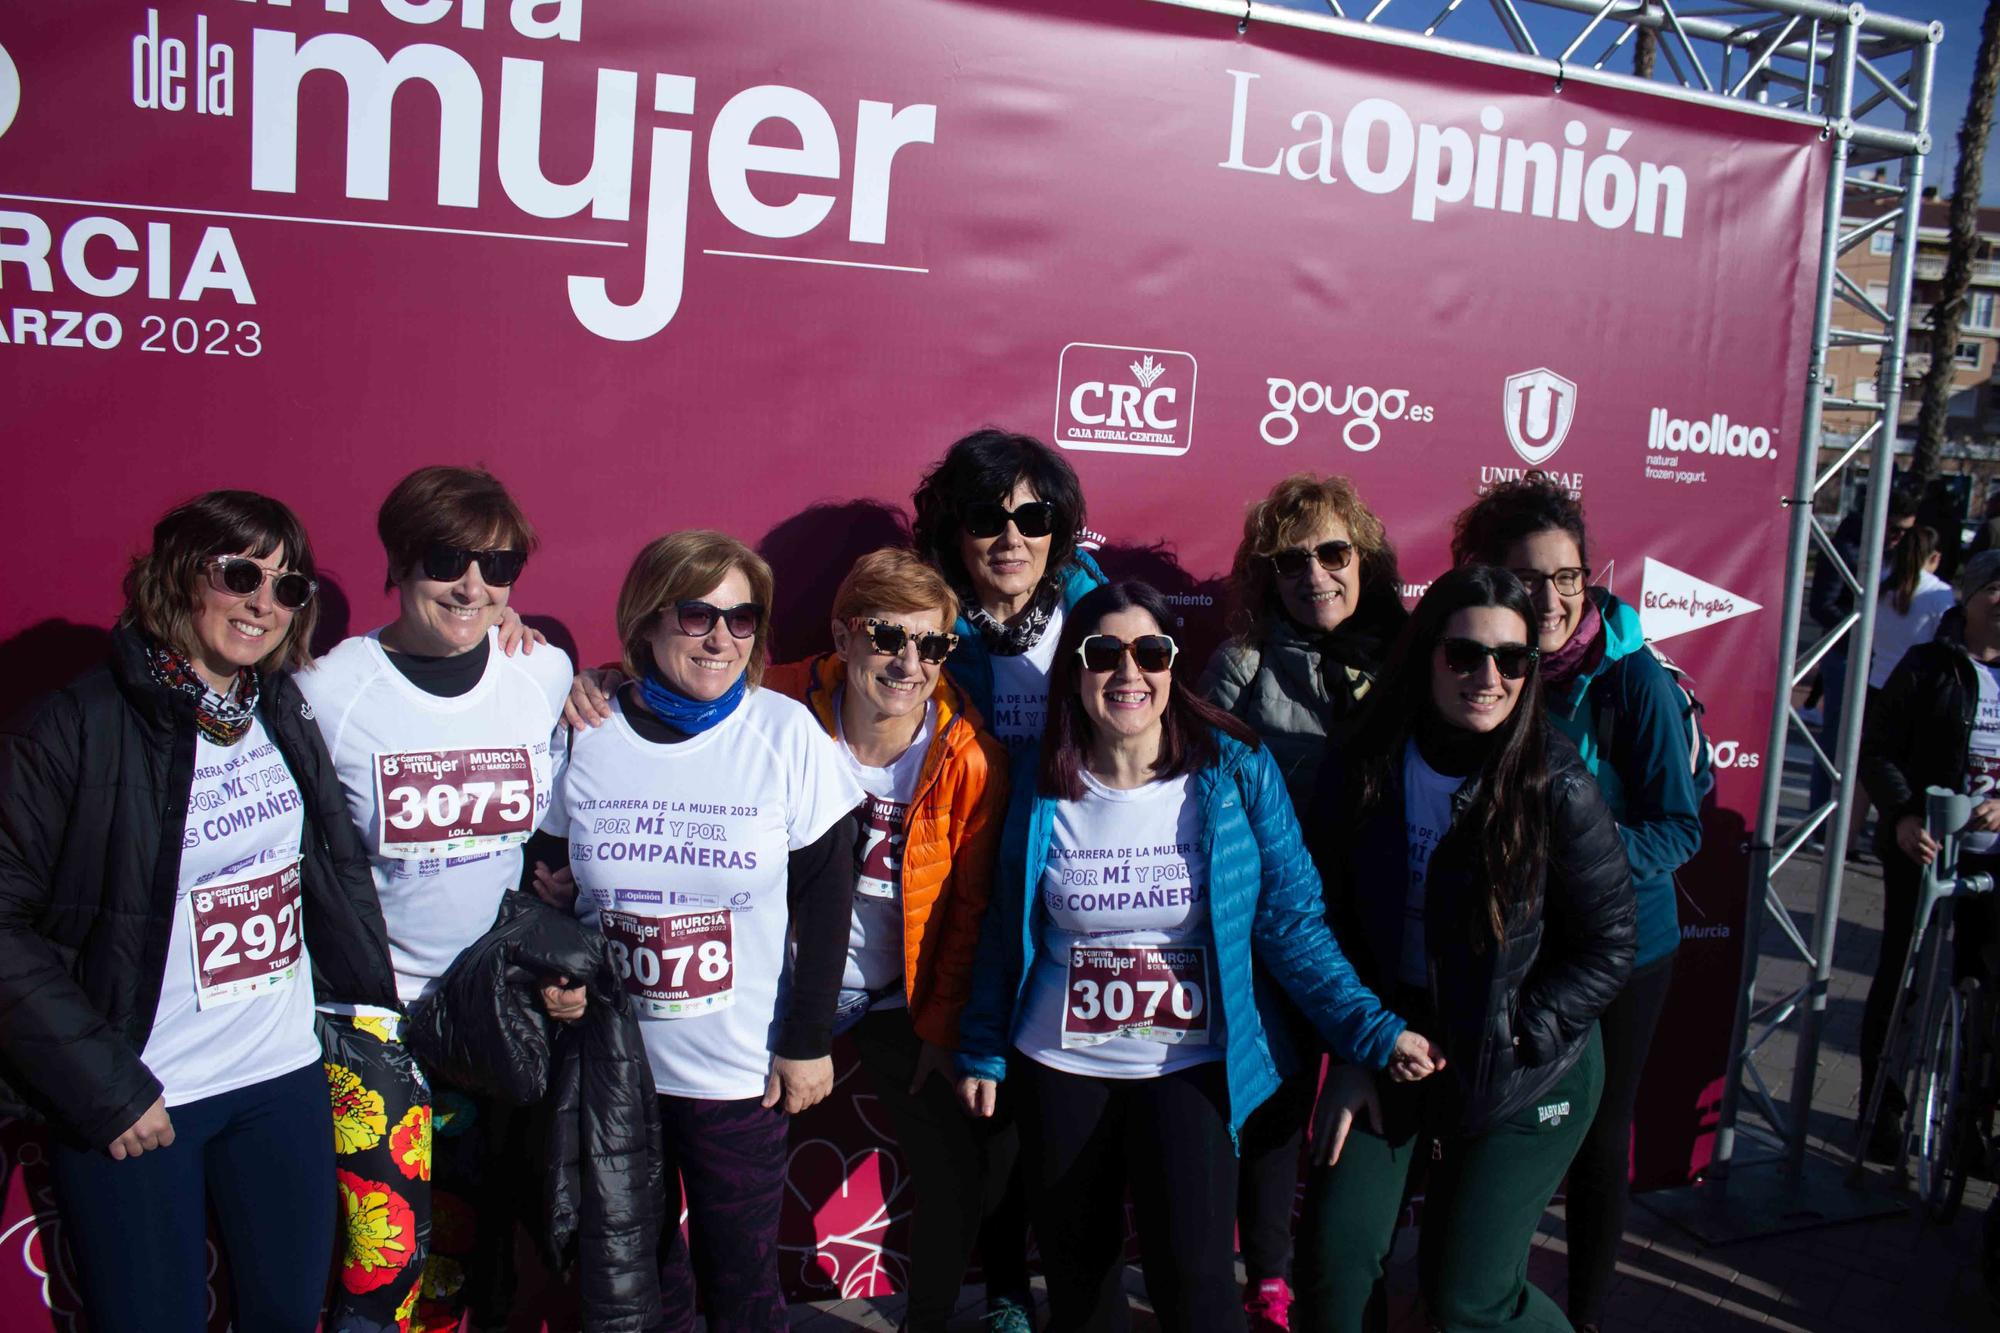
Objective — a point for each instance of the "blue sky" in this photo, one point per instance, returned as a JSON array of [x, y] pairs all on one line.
[[1475, 23]]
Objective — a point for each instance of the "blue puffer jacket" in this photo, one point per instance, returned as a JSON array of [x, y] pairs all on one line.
[[1645, 777], [971, 665], [1263, 896]]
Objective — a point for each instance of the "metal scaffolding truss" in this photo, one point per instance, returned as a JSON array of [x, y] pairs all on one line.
[[1864, 80]]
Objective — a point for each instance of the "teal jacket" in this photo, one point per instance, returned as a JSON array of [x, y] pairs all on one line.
[[1263, 899], [971, 665], [1645, 778]]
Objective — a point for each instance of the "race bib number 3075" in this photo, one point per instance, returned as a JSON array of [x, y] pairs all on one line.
[[247, 936], [438, 802], [679, 966], [1148, 992]]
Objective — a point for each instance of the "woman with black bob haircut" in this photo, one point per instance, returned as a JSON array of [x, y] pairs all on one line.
[[178, 878], [1153, 856], [1478, 882], [1607, 692], [1000, 515]]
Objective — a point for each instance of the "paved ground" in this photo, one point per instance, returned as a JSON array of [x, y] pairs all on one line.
[[1894, 1272]]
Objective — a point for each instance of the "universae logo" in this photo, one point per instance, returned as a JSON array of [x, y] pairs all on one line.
[[1124, 400], [1537, 407]]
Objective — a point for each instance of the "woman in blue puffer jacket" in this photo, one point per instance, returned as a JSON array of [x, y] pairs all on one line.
[[1150, 851]]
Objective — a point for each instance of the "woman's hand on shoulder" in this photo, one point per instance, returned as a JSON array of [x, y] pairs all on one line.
[[589, 702], [517, 633]]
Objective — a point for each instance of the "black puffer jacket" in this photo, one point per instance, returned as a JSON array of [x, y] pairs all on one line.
[[1918, 729], [1516, 1017], [94, 783], [483, 1029]]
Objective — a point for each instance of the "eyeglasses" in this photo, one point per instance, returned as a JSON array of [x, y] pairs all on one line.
[[890, 639], [1152, 652], [1293, 563], [989, 518], [697, 618], [447, 564], [1569, 581], [1465, 656], [239, 577]]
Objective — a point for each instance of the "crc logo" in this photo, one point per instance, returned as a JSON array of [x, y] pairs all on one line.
[[1730, 754], [1364, 407], [1124, 400], [1537, 407]]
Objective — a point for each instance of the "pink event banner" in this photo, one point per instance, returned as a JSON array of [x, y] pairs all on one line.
[[753, 265]]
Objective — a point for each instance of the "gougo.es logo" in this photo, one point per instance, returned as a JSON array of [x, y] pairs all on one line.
[[1363, 408]]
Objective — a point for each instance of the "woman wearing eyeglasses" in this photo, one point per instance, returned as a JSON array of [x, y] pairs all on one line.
[[1610, 695], [708, 831], [1152, 856], [177, 879], [1318, 603], [923, 864], [1478, 882], [442, 743]]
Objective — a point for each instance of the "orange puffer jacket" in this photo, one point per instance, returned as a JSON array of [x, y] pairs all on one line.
[[950, 841]]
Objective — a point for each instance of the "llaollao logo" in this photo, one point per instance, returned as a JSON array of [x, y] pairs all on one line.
[[1538, 407], [1124, 400]]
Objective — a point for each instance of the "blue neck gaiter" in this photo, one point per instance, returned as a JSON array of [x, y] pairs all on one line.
[[689, 716]]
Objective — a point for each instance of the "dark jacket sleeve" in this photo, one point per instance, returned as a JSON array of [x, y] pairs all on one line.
[[1830, 598], [51, 1036], [1588, 930], [820, 890], [1887, 730], [1661, 824]]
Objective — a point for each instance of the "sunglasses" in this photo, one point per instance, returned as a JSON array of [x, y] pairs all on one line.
[[1152, 652], [1292, 563], [989, 518], [1568, 581], [1465, 656], [239, 577], [447, 564], [697, 619], [889, 639]]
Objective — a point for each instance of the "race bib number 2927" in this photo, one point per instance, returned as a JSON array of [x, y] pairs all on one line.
[[436, 802]]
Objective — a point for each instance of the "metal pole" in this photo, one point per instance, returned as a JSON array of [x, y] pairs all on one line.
[[1882, 466], [1805, 472]]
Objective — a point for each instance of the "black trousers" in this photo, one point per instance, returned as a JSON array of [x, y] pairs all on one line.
[[1084, 1143], [1267, 1189], [1600, 1177], [962, 1171]]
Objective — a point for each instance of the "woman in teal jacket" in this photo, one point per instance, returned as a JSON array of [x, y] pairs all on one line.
[[1607, 692], [1150, 851]]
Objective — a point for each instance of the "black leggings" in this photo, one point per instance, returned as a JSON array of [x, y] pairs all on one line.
[[1267, 1190], [1084, 1142], [1600, 1175]]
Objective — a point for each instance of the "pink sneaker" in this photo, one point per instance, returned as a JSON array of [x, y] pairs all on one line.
[[1267, 1307]]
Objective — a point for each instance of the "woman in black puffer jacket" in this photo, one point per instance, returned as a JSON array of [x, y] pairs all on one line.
[[1474, 874], [178, 881]]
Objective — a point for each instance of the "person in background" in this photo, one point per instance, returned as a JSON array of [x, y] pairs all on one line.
[[1479, 882], [1610, 696], [178, 880], [1147, 859], [923, 865], [1913, 601], [1317, 604]]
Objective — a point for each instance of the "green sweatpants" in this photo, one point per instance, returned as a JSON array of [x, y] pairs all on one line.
[[1483, 1199]]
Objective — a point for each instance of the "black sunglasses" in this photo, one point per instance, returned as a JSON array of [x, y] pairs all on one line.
[[1292, 563], [889, 638], [447, 564], [240, 577], [697, 618], [1152, 652], [1465, 656], [989, 518]]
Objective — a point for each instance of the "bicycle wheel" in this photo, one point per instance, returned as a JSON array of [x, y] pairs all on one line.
[[1940, 1107]]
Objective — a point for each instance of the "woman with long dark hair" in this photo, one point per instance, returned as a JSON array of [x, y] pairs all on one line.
[[1151, 858], [1913, 603], [1479, 883], [1609, 694]]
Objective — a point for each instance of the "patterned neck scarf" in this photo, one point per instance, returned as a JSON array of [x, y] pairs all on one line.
[[223, 718], [1012, 640]]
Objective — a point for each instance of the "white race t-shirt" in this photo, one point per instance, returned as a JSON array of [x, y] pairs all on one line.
[[443, 790], [1123, 985], [680, 853], [1427, 797], [1021, 691], [236, 1002], [1896, 632], [875, 938], [1982, 755]]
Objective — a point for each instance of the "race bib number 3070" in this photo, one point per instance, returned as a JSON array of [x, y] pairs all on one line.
[[678, 966], [437, 802], [247, 936], [1148, 992]]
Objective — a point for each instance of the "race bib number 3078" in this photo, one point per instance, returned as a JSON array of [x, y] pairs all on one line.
[[679, 966], [437, 802]]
